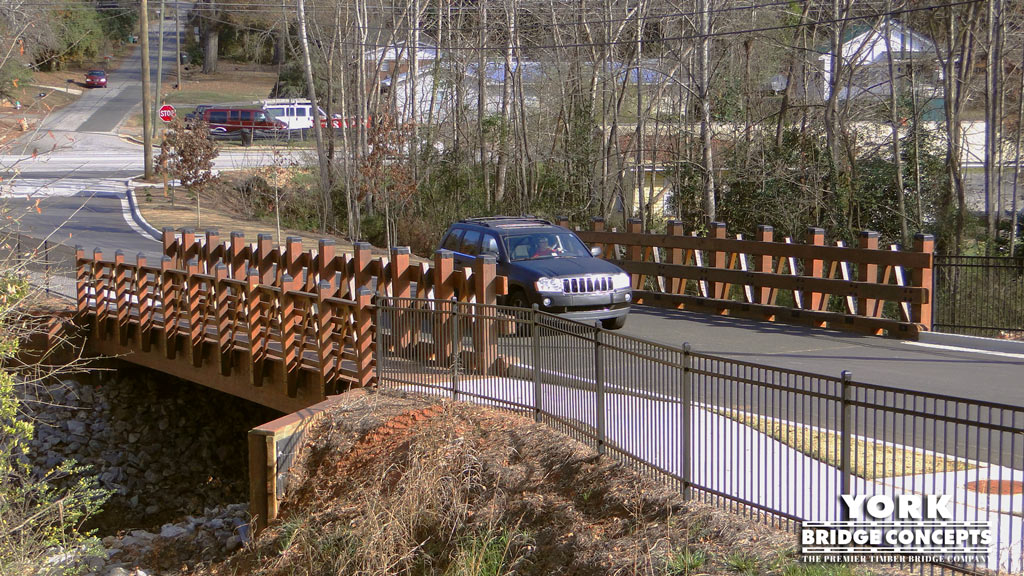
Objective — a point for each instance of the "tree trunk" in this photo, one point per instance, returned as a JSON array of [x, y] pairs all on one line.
[[894, 125], [704, 70], [321, 152], [211, 32]]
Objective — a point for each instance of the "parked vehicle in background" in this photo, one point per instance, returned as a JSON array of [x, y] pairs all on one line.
[[96, 79], [196, 114], [248, 124], [547, 265], [297, 113]]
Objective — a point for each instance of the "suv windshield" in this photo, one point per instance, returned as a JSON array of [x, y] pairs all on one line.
[[545, 245]]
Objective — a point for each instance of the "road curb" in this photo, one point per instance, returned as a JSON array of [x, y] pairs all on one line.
[[972, 342], [137, 214]]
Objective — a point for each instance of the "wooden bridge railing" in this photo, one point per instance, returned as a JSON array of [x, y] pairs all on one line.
[[277, 325], [826, 286]]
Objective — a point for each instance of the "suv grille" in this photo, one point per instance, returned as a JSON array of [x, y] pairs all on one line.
[[587, 284]]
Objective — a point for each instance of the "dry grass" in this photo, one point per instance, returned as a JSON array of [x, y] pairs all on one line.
[[871, 460], [401, 484]]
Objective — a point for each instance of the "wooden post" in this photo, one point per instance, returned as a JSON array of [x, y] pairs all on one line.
[[293, 259], [485, 330], [261, 450], [225, 312], [635, 251], [717, 260], [170, 246], [194, 284], [328, 358], [169, 304], [867, 240], [562, 221], [255, 319], [100, 287], [189, 247], [326, 266], [401, 336], [239, 261], [82, 284], [264, 260], [361, 260], [364, 337], [444, 268], [815, 268], [212, 251], [122, 298], [676, 285], [289, 334], [922, 278], [763, 263], [143, 289]]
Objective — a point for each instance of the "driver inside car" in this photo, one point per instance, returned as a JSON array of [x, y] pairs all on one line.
[[544, 248]]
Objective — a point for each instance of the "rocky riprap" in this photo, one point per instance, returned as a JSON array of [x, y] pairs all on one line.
[[168, 449]]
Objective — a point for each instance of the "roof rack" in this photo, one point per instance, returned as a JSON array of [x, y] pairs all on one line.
[[505, 221]]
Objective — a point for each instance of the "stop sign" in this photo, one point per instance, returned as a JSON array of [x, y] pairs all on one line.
[[167, 112]]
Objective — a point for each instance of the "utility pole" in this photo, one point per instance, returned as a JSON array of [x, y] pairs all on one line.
[[159, 69], [147, 105], [177, 41]]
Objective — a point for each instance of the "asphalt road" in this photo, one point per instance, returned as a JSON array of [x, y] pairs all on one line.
[[872, 360], [90, 219]]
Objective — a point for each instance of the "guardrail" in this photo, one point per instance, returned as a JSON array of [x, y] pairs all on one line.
[[280, 326], [863, 288], [777, 445]]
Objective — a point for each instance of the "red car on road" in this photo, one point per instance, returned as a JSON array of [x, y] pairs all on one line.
[[96, 79]]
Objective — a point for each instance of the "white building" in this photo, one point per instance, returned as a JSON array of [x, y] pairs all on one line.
[[866, 51]]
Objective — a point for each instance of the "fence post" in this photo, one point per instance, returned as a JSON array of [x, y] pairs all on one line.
[[169, 304], [923, 277], [256, 319], [365, 337], [717, 260], [599, 387], [122, 300], [195, 311], [635, 253], [456, 347], [676, 285], [170, 246], [845, 432], [82, 281], [145, 302], [867, 240], [238, 262], [814, 268], [763, 263], [597, 225], [485, 328], [687, 417], [535, 353]]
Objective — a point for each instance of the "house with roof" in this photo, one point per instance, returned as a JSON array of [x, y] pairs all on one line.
[[865, 50]]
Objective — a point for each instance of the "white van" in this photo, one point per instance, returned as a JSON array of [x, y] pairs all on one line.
[[297, 113]]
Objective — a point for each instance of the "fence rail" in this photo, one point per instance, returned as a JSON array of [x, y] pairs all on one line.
[[863, 288], [980, 296], [777, 445]]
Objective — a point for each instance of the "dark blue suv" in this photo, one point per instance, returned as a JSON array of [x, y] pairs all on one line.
[[546, 265]]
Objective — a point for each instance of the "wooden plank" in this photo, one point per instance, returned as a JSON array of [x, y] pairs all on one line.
[[753, 247], [833, 320], [780, 281]]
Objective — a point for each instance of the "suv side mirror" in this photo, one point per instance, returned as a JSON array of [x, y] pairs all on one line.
[[596, 251]]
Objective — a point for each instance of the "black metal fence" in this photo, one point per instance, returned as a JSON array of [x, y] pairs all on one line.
[[979, 296], [48, 265], [778, 445]]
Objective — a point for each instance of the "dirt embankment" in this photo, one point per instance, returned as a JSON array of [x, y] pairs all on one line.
[[399, 484]]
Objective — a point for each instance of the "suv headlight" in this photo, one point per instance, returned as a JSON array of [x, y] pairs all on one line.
[[620, 281], [546, 284]]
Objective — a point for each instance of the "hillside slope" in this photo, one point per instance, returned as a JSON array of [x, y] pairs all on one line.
[[390, 483]]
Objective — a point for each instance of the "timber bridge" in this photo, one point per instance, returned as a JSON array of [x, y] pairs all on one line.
[[289, 327]]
